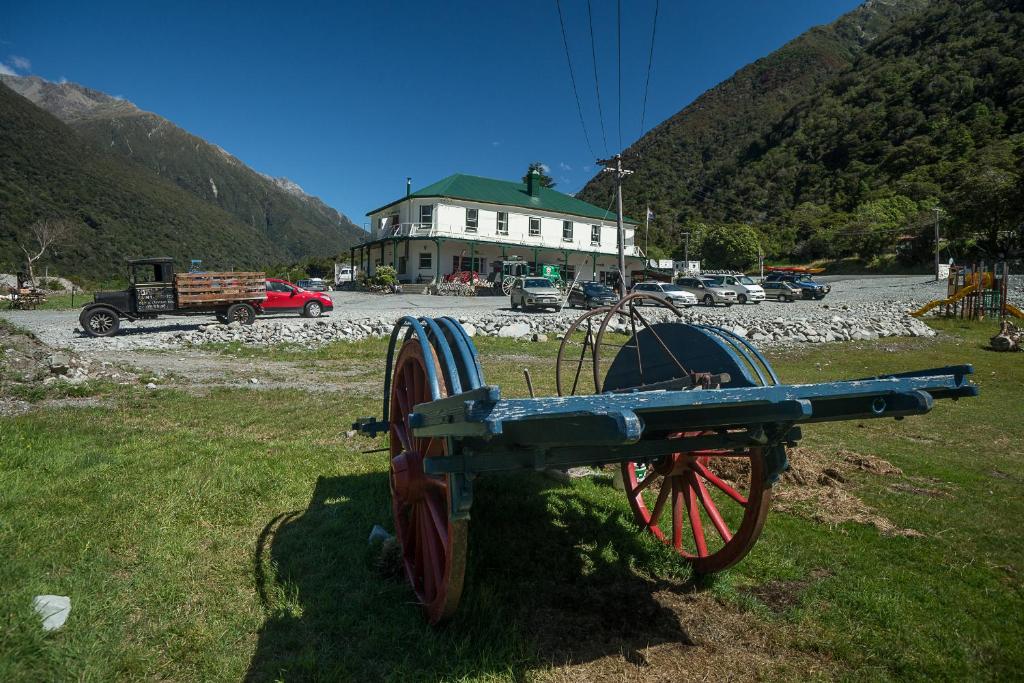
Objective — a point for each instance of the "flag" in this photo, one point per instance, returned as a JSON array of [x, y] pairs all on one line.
[[650, 214]]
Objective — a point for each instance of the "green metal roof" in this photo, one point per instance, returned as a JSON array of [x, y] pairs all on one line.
[[509, 193]]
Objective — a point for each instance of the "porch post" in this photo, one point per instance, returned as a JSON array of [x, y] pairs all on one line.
[[437, 263], [472, 256], [394, 254], [536, 262]]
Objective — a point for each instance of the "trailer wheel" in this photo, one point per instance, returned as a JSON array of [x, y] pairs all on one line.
[[243, 313], [100, 322], [432, 539], [670, 497], [312, 310]]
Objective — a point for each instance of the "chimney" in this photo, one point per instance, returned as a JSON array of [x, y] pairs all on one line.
[[533, 183], [408, 186]]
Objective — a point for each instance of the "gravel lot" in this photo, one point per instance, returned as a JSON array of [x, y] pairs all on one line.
[[367, 313]]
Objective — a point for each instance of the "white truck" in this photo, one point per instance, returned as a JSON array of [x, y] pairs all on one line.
[[343, 274]]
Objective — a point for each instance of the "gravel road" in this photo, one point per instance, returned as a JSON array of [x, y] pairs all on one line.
[[859, 295]]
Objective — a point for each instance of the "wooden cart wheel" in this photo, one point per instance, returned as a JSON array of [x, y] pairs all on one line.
[[507, 283], [573, 367], [433, 544], [682, 494]]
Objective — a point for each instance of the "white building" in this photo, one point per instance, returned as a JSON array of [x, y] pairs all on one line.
[[466, 222]]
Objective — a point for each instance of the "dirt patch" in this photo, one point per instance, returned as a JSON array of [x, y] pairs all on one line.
[[816, 487], [919, 491], [781, 595], [665, 632], [32, 375]]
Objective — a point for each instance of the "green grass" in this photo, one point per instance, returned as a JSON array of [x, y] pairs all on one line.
[[221, 537], [60, 302]]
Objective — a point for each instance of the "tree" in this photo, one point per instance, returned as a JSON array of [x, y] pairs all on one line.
[[541, 168], [42, 235], [733, 246]]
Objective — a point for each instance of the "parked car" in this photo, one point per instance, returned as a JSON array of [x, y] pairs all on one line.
[[313, 284], [706, 291], [592, 295], [674, 294], [284, 297], [745, 287], [781, 290], [804, 282], [535, 292]]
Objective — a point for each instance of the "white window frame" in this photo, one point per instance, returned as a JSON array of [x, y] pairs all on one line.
[[429, 208], [502, 222], [472, 224], [430, 260], [595, 235], [569, 225], [532, 233]]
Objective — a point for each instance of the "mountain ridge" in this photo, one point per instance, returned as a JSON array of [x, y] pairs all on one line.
[[303, 223]]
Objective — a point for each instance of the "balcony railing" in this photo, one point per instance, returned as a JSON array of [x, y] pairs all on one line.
[[432, 230]]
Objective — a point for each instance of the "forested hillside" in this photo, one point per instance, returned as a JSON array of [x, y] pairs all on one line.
[[119, 209], [301, 224], [927, 116]]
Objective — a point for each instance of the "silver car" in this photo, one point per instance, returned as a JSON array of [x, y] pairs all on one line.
[[746, 289], [706, 291], [535, 292], [674, 294]]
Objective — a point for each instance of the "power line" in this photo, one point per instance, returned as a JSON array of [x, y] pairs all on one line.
[[619, 22], [597, 82], [572, 77], [650, 61]]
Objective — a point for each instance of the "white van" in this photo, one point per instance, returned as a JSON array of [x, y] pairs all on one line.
[[746, 289]]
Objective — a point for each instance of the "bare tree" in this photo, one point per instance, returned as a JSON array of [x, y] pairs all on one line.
[[41, 236]]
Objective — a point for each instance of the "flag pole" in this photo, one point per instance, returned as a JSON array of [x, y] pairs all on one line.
[[647, 232]]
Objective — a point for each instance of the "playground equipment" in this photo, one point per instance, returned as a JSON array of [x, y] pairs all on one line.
[[694, 415], [975, 292]]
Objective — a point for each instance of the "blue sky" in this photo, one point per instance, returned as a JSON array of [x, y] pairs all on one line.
[[347, 99]]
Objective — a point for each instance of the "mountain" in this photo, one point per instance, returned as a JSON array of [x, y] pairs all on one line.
[[860, 126], [674, 163], [301, 224], [120, 209]]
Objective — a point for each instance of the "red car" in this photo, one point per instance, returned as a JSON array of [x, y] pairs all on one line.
[[284, 297]]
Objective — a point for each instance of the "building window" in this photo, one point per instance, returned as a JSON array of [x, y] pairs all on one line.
[[534, 227], [426, 261], [595, 235], [472, 219], [567, 231], [502, 222], [427, 214]]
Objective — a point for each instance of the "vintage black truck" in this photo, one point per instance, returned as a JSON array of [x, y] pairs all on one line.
[[155, 289]]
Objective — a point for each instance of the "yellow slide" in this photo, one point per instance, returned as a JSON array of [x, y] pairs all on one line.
[[942, 302], [1013, 310]]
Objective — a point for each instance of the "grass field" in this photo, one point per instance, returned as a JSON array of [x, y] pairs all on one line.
[[223, 536]]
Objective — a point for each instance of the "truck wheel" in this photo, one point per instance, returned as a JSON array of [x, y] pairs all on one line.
[[100, 322], [742, 298], [312, 310], [709, 300], [243, 313]]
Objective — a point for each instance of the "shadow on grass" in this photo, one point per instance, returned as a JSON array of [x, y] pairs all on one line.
[[551, 579]]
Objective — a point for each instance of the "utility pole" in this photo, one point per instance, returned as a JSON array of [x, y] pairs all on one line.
[[619, 175], [686, 250], [936, 209]]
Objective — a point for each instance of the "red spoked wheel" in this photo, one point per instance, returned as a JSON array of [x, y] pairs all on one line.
[[682, 494], [433, 544]]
